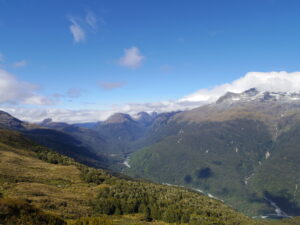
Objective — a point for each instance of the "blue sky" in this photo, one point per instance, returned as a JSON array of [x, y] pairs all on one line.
[[98, 55]]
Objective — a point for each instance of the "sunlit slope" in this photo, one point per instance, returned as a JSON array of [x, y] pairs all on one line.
[[70, 190], [216, 157], [231, 149]]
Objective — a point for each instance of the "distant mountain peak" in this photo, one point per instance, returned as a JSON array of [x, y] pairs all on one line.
[[251, 92], [145, 118], [9, 122], [46, 121], [254, 94], [49, 123], [119, 118]]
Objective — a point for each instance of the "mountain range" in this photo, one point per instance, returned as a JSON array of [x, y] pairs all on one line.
[[242, 150], [39, 186]]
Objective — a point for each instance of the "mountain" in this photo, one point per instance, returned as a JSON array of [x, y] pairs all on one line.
[[9, 122], [42, 185], [105, 144], [54, 125], [89, 125], [125, 134], [242, 149], [56, 136], [145, 118], [67, 144], [56, 188], [120, 127]]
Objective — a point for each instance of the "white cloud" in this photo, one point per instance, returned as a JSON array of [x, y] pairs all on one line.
[[76, 30], [14, 91], [57, 114], [81, 26], [132, 58], [21, 63], [91, 20], [92, 115], [263, 81]]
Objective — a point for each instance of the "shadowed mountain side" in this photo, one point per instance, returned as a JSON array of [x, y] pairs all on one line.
[[278, 178], [67, 145]]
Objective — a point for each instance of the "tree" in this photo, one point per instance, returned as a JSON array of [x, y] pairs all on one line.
[[147, 214]]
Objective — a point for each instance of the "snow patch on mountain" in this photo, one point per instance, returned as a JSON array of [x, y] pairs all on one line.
[[126, 162], [254, 94], [268, 154]]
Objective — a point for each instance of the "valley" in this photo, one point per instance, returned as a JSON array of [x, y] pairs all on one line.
[[148, 112], [242, 153], [232, 149]]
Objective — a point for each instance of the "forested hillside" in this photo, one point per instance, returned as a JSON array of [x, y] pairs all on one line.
[[62, 188], [243, 149]]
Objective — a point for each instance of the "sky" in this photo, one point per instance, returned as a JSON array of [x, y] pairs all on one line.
[[81, 61]]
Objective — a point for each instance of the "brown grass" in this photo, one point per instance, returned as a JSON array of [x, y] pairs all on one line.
[[55, 188]]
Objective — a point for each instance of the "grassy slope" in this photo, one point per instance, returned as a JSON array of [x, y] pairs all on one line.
[[55, 188], [63, 189], [20, 212]]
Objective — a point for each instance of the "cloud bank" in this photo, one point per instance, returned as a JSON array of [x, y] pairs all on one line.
[[132, 58], [14, 91], [90, 115], [263, 81]]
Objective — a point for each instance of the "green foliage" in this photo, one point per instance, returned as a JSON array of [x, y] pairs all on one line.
[[92, 221], [279, 176], [92, 175], [116, 196], [14, 212], [159, 202], [215, 157], [52, 157]]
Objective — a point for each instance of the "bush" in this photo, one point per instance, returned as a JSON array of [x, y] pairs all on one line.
[[93, 221], [19, 212]]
